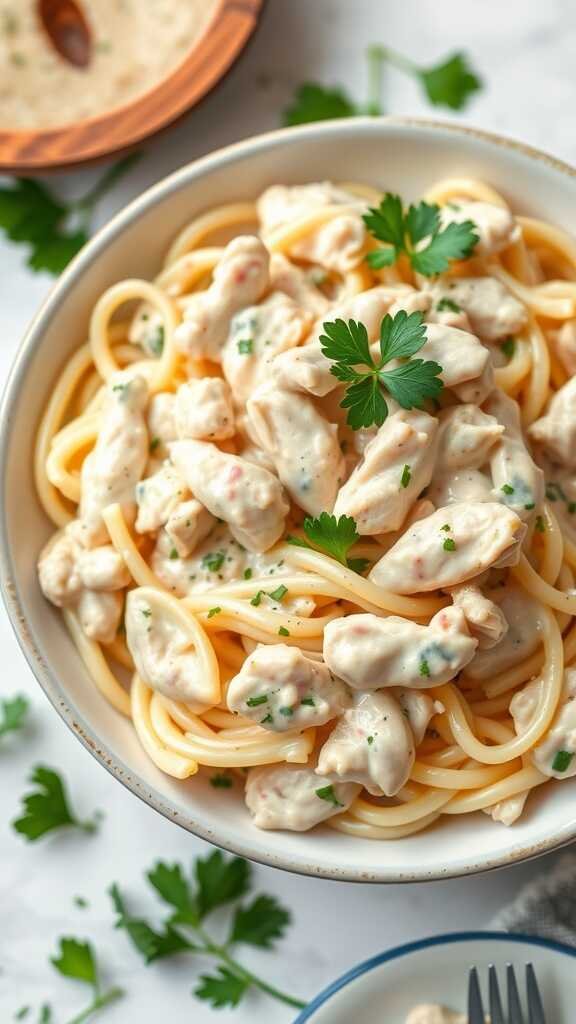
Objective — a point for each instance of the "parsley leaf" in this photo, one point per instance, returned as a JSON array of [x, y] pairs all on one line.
[[409, 383], [153, 945], [334, 536], [562, 760], [76, 959], [47, 808], [52, 228], [405, 233], [222, 989], [220, 881], [314, 102], [261, 923], [327, 793], [13, 712], [173, 888], [221, 781], [450, 83]]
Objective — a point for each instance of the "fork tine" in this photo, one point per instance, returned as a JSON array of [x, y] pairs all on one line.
[[535, 1008], [475, 1007], [515, 1014], [496, 1012]]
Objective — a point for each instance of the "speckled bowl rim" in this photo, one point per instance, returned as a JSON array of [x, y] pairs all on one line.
[[41, 668]]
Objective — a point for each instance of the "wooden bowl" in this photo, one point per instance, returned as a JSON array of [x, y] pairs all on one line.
[[232, 24]]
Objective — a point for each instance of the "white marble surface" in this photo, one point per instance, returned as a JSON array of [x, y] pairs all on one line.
[[524, 50]]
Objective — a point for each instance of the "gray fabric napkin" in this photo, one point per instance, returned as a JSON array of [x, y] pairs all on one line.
[[547, 906]]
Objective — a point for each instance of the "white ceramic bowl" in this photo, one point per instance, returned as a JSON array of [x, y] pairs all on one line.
[[435, 970], [401, 155]]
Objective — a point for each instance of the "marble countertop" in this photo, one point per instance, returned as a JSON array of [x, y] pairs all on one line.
[[524, 51]]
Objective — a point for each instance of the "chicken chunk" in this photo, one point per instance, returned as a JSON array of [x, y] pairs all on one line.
[[292, 797], [555, 754], [522, 637], [157, 496], [115, 465], [454, 544], [518, 481], [466, 364], [418, 708], [509, 810], [564, 342], [281, 689], [338, 243], [58, 570], [302, 444], [368, 308], [485, 619], [494, 313], [99, 613], [555, 432], [102, 569], [247, 497], [188, 524], [305, 368], [147, 330], [161, 420], [372, 744], [257, 335], [370, 651], [161, 638], [461, 485], [433, 1013], [495, 226], [466, 436], [397, 465], [240, 278], [203, 409], [299, 284]]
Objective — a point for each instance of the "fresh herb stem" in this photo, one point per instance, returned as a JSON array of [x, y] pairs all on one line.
[[98, 1003], [398, 60], [221, 953], [375, 56]]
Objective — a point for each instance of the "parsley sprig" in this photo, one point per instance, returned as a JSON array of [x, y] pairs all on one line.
[[449, 83], [410, 383], [47, 807], [76, 959], [333, 536], [52, 228], [404, 232], [13, 714], [218, 882]]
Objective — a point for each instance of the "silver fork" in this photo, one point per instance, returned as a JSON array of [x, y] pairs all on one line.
[[515, 1014]]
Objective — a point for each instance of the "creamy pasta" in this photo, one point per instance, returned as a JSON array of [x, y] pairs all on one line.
[[427, 670]]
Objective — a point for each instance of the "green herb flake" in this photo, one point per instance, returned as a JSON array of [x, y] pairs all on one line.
[[256, 600], [247, 574], [213, 612], [406, 476], [448, 305], [245, 347], [424, 668], [279, 593], [254, 702], [308, 702], [508, 347], [146, 612], [507, 489], [446, 527], [213, 561], [154, 444], [155, 341], [221, 781], [266, 719], [327, 793], [173, 554], [283, 631], [530, 506], [13, 714], [287, 712], [562, 761], [540, 525], [449, 544], [370, 740]]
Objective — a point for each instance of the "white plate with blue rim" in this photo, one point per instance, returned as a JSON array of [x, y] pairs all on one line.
[[385, 988]]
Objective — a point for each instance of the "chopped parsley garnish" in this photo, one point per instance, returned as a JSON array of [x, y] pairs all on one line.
[[404, 233], [254, 702], [245, 347], [173, 554], [154, 444], [507, 489], [508, 347], [406, 476], [247, 574], [448, 305], [47, 807], [216, 884], [52, 228], [213, 561], [327, 793], [562, 761], [221, 781], [146, 612], [268, 718], [283, 631], [155, 342], [424, 668], [446, 527], [279, 593], [308, 702], [333, 536], [13, 713], [287, 712], [213, 612], [410, 383], [530, 506], [540, 525], [449, 544], [257, 598], [370, 740]]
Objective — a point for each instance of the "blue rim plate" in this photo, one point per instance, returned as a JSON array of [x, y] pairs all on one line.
[[424, 944]]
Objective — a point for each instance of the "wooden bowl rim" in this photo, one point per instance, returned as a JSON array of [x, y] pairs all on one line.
[[231, 26]]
